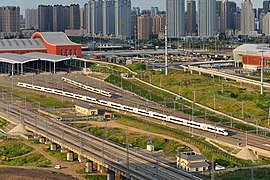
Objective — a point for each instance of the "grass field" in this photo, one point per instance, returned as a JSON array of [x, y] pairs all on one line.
[[118, 136], [258, 174], [3, 124], [20, 154], [14, 149], [206, 148], [57, 154], [239, 100], [44, 100], [32, 159]]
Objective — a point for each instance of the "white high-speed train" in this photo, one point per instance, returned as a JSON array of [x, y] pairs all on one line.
[[86, 87], [163, 117]]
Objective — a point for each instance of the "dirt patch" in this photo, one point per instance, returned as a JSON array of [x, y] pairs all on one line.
[[34, 174]]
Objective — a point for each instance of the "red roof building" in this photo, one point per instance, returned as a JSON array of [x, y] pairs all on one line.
[[56, 43], [250, 55]]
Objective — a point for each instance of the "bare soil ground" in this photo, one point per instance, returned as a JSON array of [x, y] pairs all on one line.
[[11, 173]]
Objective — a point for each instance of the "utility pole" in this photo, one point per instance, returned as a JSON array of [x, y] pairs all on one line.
[[242, 108], [214, 101], [262, 69], [127, 146], [166, 49], [192, 118], [213, 169]]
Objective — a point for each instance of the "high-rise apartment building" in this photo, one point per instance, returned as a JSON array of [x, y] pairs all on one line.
[[159, 22], [94, 17], [75, 14], [134, 24], [266, 24], [137, 10], [145, 24], [123, 18], [45, 18], [247, 18], [154, 11], [31, 19], [108, 17], [175, 10], [207, 18], [9, 19], [58, 17], [82, 18], [266, 6], [226, 11], [191, 23]]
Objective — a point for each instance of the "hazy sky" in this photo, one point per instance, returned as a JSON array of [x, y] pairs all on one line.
[[144, 4]]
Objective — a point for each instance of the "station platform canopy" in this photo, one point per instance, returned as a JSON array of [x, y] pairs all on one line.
[[35, 56]]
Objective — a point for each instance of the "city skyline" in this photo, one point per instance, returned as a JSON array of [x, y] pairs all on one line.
[[144, 4]]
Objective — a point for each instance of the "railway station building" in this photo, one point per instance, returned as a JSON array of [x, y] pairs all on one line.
[[56, 43], [43, 52], [250, 55]]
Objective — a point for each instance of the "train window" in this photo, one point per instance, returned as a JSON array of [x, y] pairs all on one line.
[[115, 105], [143, 112], [158, 116], [211, 128], [103, 102], [127, 108]]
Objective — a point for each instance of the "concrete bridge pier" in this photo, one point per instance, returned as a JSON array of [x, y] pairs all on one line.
[[70, 156], [41, 140], [118, 176], [110, 175], [81, 158], [48, 142], [89, 167], [53, 147], [64, 150], [99, 168], [95, 166], [36, 137]]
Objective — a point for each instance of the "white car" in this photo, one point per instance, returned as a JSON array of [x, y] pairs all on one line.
[[57, 166]]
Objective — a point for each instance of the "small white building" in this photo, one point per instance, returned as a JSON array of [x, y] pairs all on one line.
[[192, 162]]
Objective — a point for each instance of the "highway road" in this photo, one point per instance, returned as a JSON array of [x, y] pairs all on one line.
[[138, 166]]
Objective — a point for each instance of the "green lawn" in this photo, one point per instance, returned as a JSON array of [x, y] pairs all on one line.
[[206, 148], [56, 154], [44, 100], [3, 124], [118, 136], [258, 174], [227, 95], [14, 149], [32, 159], [20, 154]]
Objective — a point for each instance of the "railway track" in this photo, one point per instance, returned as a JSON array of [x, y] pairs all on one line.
[[58, 129]]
